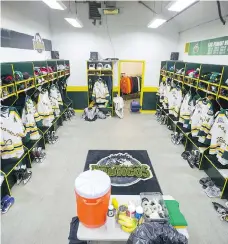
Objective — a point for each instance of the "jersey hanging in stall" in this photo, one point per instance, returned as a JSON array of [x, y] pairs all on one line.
[[175, 99], [12, 131], [166, 94], [100, 92], [202, 116], [44, 108], [55, 99], [185, 109], [30, 118], [218, 137]]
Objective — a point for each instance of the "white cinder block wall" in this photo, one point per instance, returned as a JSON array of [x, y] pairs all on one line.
[[28, 18], [207, 31]]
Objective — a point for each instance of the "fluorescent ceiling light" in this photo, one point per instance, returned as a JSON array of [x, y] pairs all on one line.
[[54, 4], [180, 5], [75, 22], [155, 23]]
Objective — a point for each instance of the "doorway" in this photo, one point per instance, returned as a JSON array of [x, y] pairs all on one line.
[[131, 81]]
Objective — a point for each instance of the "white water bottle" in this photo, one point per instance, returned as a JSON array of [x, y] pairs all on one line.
[[110, 220]]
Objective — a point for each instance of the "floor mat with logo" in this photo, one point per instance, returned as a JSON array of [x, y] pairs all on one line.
[[131, 171]]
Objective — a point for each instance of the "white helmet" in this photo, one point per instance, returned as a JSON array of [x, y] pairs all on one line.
[[107, 67], [99, 66], [91, 66]]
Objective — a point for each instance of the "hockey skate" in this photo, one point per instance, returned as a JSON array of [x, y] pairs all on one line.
[[180, 139], [26, 176], [185, 155], [222, 211], [18, 175], [54, 138], [174, 137], [72, 112], [49, 138], [196, 157]]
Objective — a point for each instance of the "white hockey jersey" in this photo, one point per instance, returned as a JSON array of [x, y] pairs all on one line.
[[29, 119], [166, 91], [184, 109], [55, 99], [175, 99], [218, 137], [201, 116], [12, 131], [161, 91], [100, 92], [119, 106], [222, 154], [44, 108]]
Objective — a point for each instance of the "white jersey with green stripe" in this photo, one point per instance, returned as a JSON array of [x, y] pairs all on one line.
[[12, 131], [218, 137], [55, 99], [100, 92], [175, 100], [200, 116], [29, 118], [44, 108]]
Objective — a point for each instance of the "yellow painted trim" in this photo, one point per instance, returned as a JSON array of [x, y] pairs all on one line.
[[116, 89], [131, 61], [150, 89], [180, 227], [78, 110], [223, 189], [148, 111], [77, 88]]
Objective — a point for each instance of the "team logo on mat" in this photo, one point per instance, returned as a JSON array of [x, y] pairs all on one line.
[[123, 169]]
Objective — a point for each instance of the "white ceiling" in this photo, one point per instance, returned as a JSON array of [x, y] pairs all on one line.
[[134, 15]]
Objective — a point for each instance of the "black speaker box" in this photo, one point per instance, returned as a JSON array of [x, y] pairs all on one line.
[[55, 54], [174, 56]]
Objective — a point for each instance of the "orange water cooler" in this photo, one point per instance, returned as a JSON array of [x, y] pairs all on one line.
[[92, 189]]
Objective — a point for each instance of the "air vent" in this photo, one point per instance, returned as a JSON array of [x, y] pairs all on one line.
[[93, 10]]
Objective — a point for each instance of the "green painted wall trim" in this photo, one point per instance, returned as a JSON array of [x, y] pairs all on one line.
[[79, 99], [149, 101]]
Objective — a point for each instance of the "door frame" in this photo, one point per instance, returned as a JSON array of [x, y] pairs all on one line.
[[143, 75]]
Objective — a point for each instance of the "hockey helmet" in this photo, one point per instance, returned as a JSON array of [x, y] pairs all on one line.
[[7, 79], [100, 66], [214, 89], [43, 70], [26, 75], [224, 92], [49, 69], [107, 67], [60, 67], [226, 82], [18, 75], [91, 66]]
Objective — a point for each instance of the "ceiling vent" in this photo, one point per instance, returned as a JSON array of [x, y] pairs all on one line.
[[93, 10]]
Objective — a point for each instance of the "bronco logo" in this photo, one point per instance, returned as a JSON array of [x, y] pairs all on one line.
[[123, 169], [38, 43]]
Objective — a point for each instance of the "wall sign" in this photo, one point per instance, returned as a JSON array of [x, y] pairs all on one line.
[[38, 43], [216, 46]]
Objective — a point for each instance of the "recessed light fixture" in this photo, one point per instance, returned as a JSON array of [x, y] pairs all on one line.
[[75, 22], [54, 4], [180, 5], [155, 23]]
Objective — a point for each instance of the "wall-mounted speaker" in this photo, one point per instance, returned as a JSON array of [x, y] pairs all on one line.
[[174, 56], [55, 54]]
